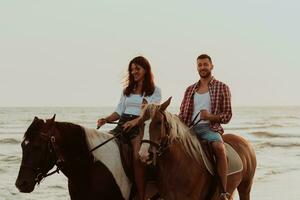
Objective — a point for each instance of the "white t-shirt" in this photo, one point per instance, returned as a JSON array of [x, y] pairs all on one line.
[[201, 102], [132, 103]]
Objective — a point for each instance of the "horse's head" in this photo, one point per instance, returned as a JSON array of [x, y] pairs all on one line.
[[38, 156], [155, 131]]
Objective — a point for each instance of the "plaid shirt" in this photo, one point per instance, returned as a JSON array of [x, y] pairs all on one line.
[[220, 104]]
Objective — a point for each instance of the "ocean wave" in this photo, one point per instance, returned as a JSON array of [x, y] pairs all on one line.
[[56, 187], [271, 135], [281, 145], [9, 141], [2, 170], [284, 117], [10, 159], [274, 172], [257, 127], [269, 173]]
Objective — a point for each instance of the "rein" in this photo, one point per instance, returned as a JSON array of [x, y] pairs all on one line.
[[193, 123], [106, 141], [40, 176]]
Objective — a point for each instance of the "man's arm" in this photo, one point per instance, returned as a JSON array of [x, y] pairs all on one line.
[[227, 112], [182, 105]]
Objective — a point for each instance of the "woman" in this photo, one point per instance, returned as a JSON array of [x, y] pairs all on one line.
[[140, 85]]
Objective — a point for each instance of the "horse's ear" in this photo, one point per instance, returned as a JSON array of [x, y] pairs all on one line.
[[144, 103], [35, 118], [165, 104], [52, 120]]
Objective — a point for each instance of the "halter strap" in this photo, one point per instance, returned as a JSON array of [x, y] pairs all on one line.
[[164, 144], [57, 152], [59, 163], [157, 145]]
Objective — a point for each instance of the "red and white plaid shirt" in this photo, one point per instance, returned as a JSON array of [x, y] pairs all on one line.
[[220, 103]]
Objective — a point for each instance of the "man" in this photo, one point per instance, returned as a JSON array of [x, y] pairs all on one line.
[[206, 104]]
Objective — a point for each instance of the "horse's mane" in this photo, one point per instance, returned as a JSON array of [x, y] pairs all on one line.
[[68, 126], [179, 131], [37, 124], [91, 136]]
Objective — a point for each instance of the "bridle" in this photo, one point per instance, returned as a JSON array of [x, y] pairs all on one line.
[[163, 145], [59, 162], [54, 151]]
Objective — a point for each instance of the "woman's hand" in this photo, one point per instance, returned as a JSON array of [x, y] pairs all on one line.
[[101, 122], [130, 124]]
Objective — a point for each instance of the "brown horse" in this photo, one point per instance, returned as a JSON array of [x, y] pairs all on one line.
[[182, 174], [67, 146]]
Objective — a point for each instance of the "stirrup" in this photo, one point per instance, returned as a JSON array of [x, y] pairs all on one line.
[[225, 196]]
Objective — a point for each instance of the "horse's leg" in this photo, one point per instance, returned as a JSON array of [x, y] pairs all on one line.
[[72, 190], [139, 169], [244, 189], [233, 182], [77, 193], [248, 157]]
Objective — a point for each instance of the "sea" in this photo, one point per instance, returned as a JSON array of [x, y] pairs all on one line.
[[274, 133]]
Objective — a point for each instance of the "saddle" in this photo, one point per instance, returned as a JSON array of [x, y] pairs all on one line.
[[126, 158], [234, 161], [126, 154]]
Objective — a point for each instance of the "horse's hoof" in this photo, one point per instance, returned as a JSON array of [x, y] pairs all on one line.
[[225, 196]]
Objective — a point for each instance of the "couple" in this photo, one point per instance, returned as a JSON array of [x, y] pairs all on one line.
[[205, 105]]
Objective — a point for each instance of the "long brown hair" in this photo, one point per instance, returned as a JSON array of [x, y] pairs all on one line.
[[148, 83]]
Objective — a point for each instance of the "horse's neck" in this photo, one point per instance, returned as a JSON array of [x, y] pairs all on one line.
[[73, 148], [176, 168], [177, 154]]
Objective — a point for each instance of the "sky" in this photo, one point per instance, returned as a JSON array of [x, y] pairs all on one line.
[[76, 53]]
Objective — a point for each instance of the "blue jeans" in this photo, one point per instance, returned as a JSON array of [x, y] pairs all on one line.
[[204, 132]]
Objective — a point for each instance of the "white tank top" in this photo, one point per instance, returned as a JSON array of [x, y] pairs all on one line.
[[201, 102], [132, 103]]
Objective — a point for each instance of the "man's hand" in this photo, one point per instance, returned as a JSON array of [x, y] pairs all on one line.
[[205, 115]]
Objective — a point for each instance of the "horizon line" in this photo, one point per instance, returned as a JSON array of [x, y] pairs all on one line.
[[98, 106]]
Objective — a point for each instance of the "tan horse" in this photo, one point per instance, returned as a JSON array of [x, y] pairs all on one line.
[[182, 174]]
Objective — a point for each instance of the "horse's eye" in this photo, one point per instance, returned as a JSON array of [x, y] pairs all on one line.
[[26, 142]]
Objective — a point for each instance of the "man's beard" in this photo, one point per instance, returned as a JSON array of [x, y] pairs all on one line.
[[206, 75]]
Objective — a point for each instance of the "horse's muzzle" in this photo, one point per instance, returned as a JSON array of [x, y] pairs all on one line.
[[144, 152], [25, 186]]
